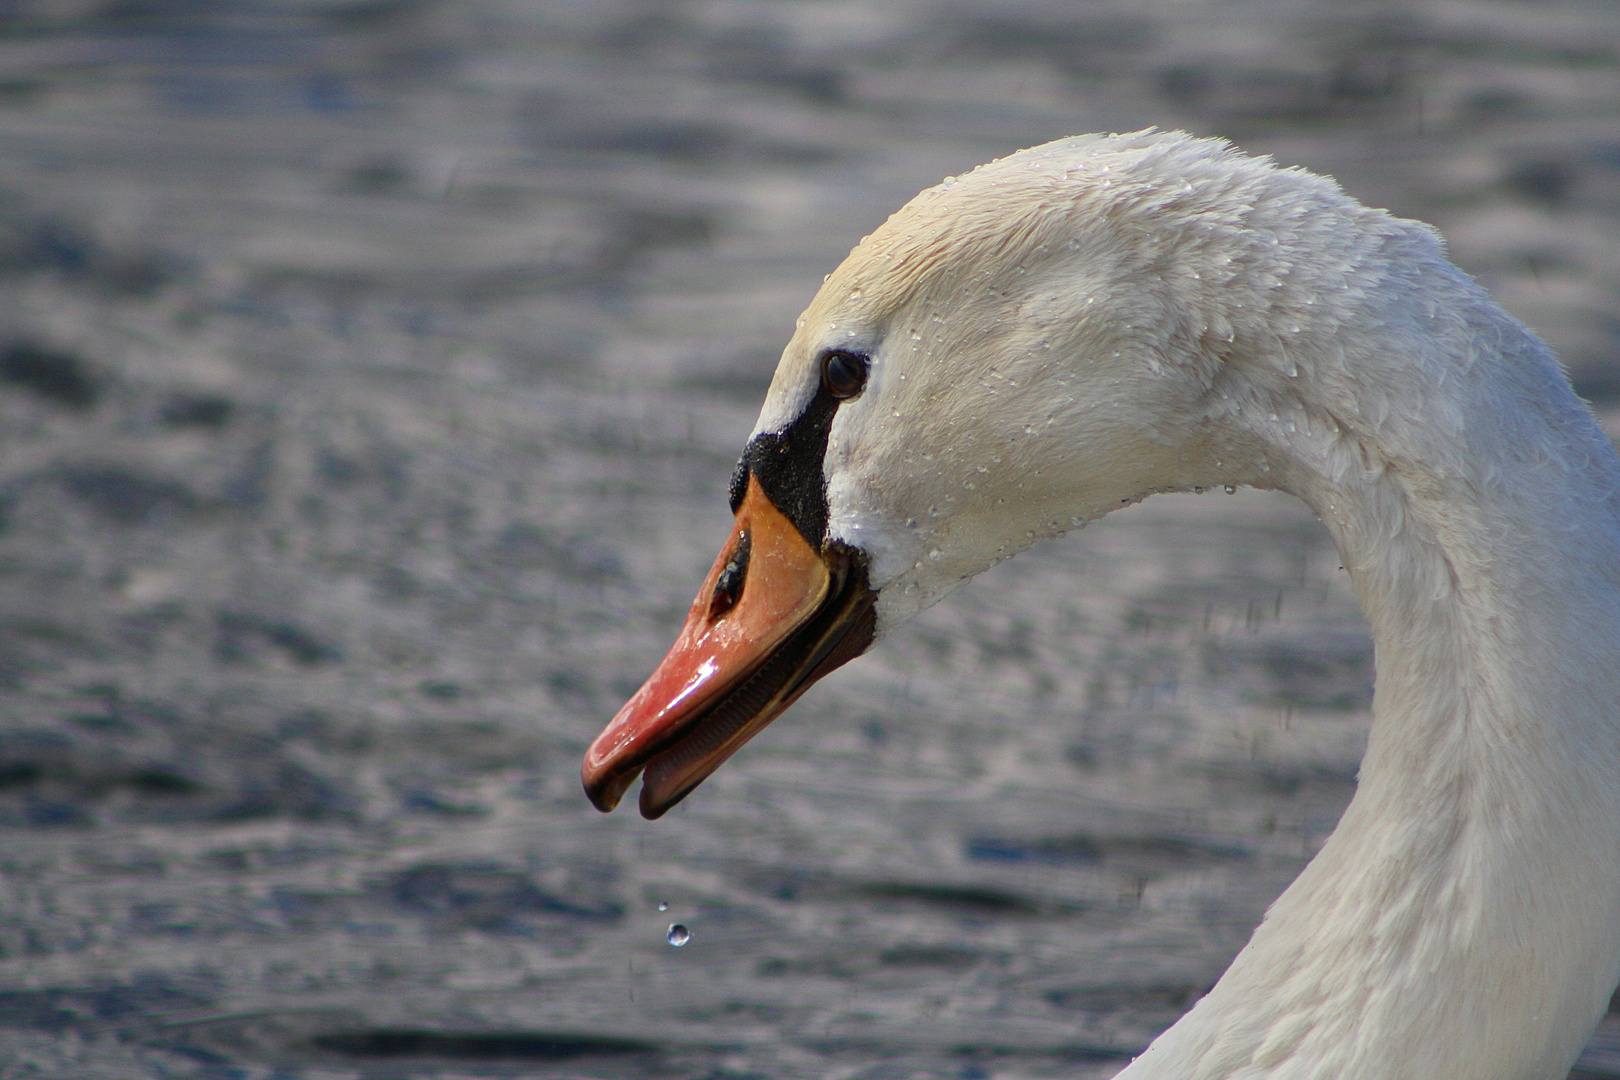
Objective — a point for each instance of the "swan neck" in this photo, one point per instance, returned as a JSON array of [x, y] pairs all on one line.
[[1463, 920]]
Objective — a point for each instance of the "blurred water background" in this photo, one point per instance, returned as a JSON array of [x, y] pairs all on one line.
[[371, 372]]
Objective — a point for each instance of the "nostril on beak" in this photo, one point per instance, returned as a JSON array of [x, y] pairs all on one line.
[[728, 588]]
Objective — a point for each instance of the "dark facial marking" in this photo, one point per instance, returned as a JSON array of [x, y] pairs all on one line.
[[788, 463]]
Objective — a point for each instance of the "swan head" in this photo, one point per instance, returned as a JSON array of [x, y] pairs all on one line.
[[1014, 353]]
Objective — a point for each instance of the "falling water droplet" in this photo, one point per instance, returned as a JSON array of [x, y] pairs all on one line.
[[679, 935], [663, 905]]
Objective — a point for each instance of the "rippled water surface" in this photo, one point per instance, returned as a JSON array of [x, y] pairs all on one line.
[[371, 374]]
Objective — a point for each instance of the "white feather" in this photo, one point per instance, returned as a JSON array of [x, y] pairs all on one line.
[[1086, 323]]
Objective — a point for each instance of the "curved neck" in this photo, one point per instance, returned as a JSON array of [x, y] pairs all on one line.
[[1463, 920]]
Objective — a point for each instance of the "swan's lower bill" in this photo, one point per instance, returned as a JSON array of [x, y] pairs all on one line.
[[773, 616]]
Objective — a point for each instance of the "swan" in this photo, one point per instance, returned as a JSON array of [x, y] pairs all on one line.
[[1074, 327]]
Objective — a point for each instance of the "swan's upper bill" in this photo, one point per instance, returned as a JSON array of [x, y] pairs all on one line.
[[1024, 348]]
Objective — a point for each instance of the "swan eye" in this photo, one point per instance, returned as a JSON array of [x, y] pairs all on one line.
[[844, 373]]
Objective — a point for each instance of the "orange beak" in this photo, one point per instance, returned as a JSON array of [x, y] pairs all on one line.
[[773, 616]]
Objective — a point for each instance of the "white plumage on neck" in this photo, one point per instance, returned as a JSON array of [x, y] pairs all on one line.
[[1086, 323], [1463, 921]]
